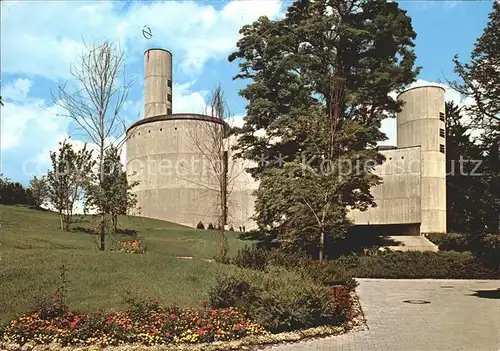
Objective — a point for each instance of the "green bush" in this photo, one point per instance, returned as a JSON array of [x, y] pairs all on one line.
[[251, 257], [486, 248], [450, 242], [489, 252], [323, 273], [200, 225], [422, 265], [210, 226], [328, 273], [279, 299], [288, 259]]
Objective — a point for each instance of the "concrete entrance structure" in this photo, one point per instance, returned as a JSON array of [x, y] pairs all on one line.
[[412, 198], [176, 182]]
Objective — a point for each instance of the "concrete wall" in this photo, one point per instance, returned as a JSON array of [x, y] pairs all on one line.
[[419, 123], [170, 158], [398, 198], [157, 78], [241, 187], [176, 182]]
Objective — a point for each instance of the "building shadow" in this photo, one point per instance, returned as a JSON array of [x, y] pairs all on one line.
[[487, 294], [91, 231]]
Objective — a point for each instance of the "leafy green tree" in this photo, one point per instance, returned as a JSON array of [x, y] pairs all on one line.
[[39, 190], [320, 83], [470, 200], [480, 80], [66, 179], [112, 194], [14, 193]]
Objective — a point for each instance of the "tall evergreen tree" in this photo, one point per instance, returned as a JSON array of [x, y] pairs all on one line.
[[471, 203], [320, 83], [480, 80]]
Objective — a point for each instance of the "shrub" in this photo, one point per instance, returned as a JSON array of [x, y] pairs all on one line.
[[278, 299], [231, 229], [200, 225], [423, 265], [251, 257], [328, 273], [450, 242], [287, 258], [322, 273], [211, 226], [490, 250]]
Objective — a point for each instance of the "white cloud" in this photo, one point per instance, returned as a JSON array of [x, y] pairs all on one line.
[[17, 91], [185, 100], [28, 120], [43, 40]]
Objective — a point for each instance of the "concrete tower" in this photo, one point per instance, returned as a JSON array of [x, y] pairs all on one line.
[[422, 123], [175, 182], [157, 83]]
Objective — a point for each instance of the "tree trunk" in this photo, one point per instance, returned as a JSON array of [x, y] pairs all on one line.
[[61, 220], [115, 222], [321, 245], [101, 180]]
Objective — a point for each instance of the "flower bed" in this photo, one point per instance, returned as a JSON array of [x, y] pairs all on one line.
[[156, 327], [132, 246]]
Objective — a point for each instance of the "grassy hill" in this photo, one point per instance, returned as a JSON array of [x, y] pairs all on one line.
[[33, 248]]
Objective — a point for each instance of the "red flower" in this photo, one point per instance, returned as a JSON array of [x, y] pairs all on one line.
[[198, 321], [219, 331], [73, 324], [201, 332], [58, 292], [110, 319], [204, 303], [167, 334], [172, 316], [213, 314], [243, 323], [209, 326], [155, 300]]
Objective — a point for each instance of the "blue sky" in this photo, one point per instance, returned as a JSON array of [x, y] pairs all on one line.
[[39, 40]]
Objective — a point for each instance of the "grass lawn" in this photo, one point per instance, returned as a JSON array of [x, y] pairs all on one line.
[[33, 248]]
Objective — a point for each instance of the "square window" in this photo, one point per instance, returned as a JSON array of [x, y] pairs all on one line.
[[169, 98], [441, 116], [441, 132], [441, 148], [169, 83], [169, 111]]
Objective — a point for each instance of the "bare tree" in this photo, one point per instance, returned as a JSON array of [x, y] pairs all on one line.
[[213, 141], [96, 101]]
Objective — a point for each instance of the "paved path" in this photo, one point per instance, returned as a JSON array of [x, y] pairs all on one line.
[[455, 319]]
